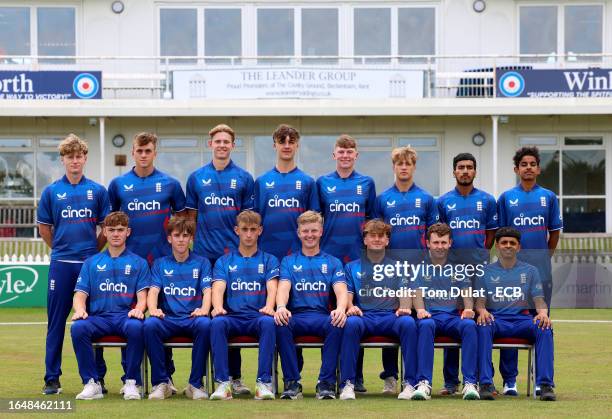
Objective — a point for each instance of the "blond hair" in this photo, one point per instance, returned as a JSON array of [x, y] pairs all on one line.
[[346, 141], [222, 128], [308, 217], [404, 153], [72, 144], [376, 226], [248, 217]]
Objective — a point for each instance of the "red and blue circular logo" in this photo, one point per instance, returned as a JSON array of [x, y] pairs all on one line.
[[511, 84], [85, 86]]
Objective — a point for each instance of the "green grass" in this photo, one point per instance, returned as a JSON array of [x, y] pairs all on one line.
[[583, 363]]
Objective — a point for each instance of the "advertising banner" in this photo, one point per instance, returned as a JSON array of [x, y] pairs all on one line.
[[592, 82], [50, 85], [23, 285]]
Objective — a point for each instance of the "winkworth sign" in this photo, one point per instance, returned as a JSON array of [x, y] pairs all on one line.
[[593, 82], [23, 285], [48, 85]]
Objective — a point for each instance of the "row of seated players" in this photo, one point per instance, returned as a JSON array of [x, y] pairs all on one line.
[[249, 293]]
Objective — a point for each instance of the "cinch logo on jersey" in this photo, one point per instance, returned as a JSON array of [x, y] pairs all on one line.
[[310, 286], [137, 205], [182, 292], [108, 286], [68, 212], [522, 221], [213, 199], [277, 202], [410, 220], [241, 285], [344, 207], [464, 224]]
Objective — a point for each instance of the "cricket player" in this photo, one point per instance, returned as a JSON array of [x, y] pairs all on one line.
[[216, 193], [409, 210], [307, 279], [472, 216], [438, 289], [68, 213], [179, 304], [243, 297], [114, 283], [282, 194], [374, 312], [511, 287], [534, 212]]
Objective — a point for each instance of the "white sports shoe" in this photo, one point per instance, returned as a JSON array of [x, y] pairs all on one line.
[[195, 393], [390, 386], [91, 391], [160, 392], [423, 391], [130, 390], [223, 392], [406, 393], [348, 392], [263, 391], [470, 392], [238, 387], [510, 390], [172, 387]]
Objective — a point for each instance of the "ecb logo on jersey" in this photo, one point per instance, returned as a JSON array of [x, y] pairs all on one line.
[[359, 190], [324, 268], [298, 185], [523, 278], [128, 269], [195, 273], [128, 188], [270, 185], [233, 268], [61, 197], [513, 203], [260, 268], [158, 187], [478, 205], [543, 201], [206, 182], [168, 272], [417, 203], [297, 268], [233, 184], [101, 268], [90, 194]]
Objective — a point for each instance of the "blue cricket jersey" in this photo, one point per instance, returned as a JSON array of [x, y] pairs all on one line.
[[372, 293], [74, 211], [409, 213], [346, 204], [149, 202], [245, 280], [440, 285], [181, 284], [112, 283], [280, 198], [218, 196], [312, 279], [521, 284]]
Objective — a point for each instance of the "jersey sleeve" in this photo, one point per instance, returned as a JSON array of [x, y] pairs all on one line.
[[156, 275], [113, 196], [257, 205], [371, 200], [205, 275], [178, 200], [441, 210], [220, 270], [143, 281], [350, 281], [555, 221], [285, 270], [492, 222], [104, 205], [313, 197], [479, 282], [248, 193], [536, 289], [83, 283], [272, 267], [377, 209], [337, 272], [44, 213], [432, 212], [501, 211], [192, 193]]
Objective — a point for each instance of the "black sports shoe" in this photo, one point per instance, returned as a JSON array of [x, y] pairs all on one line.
[[359, 387], [326, 391], [486, 392], [52, 387], [547, 393], [293, 391], [104, 389]]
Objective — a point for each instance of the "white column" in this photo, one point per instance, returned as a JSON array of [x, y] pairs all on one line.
[[495, 186], [102, 151]]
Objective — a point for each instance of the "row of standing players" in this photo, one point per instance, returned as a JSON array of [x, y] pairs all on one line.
[[71, 207]]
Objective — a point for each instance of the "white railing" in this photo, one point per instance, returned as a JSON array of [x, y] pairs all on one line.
[[445, 75]]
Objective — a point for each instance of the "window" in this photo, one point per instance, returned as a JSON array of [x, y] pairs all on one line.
[[574, 168], [320, 34], [568, 29], [416, 32], [222, 34], [14, 31], [275, 34], [178, 33], [56, 32], [372, 33]]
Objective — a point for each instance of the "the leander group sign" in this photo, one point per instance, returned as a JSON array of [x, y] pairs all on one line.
[[297, 82], [593, 82], [50, 85]]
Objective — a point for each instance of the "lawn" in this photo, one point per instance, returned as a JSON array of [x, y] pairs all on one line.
[[583, 364]]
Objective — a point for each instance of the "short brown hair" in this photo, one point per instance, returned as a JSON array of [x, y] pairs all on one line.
[[144, 138], [441, 229], [117, 218], [248, 217], [308, 217], [376, 226], [182, 225], [72, 144], [283, 131], [404, 153], [346, 141], [222, 128]]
